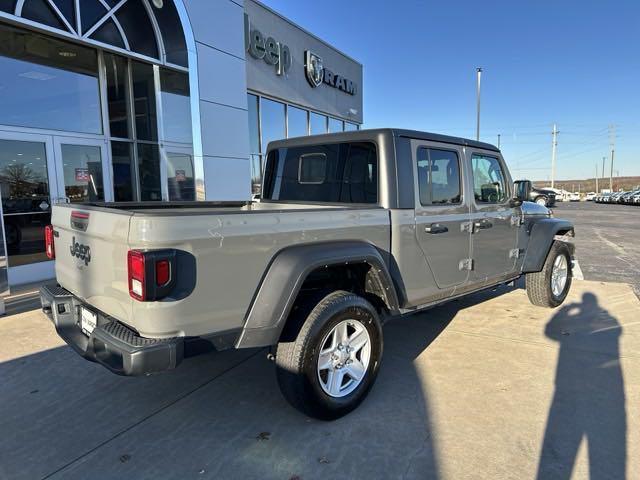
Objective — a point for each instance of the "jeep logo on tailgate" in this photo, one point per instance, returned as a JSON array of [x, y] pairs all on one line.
[[83, 252]]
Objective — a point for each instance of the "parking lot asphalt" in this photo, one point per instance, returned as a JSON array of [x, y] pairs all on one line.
[[607, 240], [484, 387]]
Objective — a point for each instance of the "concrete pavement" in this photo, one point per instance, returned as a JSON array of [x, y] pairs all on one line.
[[466, 390]]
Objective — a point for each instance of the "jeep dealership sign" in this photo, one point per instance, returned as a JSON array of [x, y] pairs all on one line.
[[273, 52]]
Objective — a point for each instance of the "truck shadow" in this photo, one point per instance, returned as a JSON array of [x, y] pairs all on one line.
[[217, 416]]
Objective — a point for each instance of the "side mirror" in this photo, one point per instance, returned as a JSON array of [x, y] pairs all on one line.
[[521, 192]]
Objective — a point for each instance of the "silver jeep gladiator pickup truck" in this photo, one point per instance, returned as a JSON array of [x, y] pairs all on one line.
[[352, 229]]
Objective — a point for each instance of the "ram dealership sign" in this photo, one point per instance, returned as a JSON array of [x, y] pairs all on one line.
[[317, 73]]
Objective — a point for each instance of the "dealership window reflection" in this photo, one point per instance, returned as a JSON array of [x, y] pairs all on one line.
[[26, 204], [82, 166], [48, 83], [297, 122], [317, 123]]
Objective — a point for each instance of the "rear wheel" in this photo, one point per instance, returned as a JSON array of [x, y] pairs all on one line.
[[329, 367], [550, 286]]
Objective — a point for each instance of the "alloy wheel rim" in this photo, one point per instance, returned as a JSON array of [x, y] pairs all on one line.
[[344, 358], [559, 275]]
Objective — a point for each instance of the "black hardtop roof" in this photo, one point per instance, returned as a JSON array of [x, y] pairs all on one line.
[[359, 135]]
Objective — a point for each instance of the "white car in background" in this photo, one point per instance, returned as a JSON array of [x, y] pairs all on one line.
[[573, 197], [590, 196]]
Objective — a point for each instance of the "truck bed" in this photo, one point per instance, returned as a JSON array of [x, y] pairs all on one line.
[[226, 248]]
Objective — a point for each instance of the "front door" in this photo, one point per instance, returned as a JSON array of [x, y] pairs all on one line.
[[441, 212], [495, 237], [37, 171], [28, 188]]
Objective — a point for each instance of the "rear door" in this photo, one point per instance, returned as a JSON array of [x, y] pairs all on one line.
[[495, 234], [441, 211], [91, 256]]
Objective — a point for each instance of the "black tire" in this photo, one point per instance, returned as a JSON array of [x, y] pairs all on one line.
[[539, 283], [297, 356]]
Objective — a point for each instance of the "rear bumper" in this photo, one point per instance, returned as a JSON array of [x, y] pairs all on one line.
[[111, 343]]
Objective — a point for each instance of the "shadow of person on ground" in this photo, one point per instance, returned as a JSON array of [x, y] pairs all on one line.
[[589, 400]]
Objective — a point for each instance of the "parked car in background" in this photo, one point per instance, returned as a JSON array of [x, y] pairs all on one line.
[[543, 196], [574, 197], [590, 197]]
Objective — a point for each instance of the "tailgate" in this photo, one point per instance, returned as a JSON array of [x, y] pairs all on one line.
[[91, 256]]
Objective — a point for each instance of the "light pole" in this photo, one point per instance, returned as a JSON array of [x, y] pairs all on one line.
[[478, 75]]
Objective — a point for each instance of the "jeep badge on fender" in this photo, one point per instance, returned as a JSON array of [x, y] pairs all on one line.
[[83, 252]]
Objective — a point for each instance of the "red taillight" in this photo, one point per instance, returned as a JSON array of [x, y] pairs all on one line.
[[163, 272], [136, 267], [150, 274], [48, 241]]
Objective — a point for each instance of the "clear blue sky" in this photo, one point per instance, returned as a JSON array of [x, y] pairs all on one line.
[[575, 63]]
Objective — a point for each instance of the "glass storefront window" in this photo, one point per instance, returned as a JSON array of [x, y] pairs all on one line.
[[117, 95], [254, 129], [317, 123], [297, 119], [24, 184], [335, 125], [180, 177], [176, 106], [149, 172], [48, 83], [82, 165], [123, 171], [350, 127], [144, 95], [272, 122]]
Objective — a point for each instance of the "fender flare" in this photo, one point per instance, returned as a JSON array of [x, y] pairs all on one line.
[[285, 275], [542, 233]]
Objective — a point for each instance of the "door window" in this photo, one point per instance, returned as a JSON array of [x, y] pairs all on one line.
[[438, 177], [489, 185], [24, 184], [82, 166]]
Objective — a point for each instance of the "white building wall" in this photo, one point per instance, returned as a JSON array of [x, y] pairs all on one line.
[[218, 30]]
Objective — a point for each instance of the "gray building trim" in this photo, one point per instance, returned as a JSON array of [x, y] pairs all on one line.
[[194, 96]]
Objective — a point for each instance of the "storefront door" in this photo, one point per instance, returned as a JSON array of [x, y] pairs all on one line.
[[37, 171], [27, 167]]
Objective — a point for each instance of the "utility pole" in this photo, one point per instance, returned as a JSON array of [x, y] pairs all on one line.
[[597, 178], [604, 159], [612, 142], [553, 154], [478, 78]]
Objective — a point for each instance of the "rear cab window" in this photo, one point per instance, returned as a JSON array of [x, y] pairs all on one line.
[[344, 172]]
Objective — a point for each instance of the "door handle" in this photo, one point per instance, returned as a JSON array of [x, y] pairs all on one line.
[[483, 224], [436, 228]]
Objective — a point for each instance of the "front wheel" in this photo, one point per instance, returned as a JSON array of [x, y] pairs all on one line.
[[541, 201], [327, 370], [550, 286]]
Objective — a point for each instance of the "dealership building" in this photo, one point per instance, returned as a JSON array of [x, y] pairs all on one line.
[[151, 100]]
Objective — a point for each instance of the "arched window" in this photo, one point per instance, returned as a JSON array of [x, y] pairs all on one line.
[[151, 28]]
